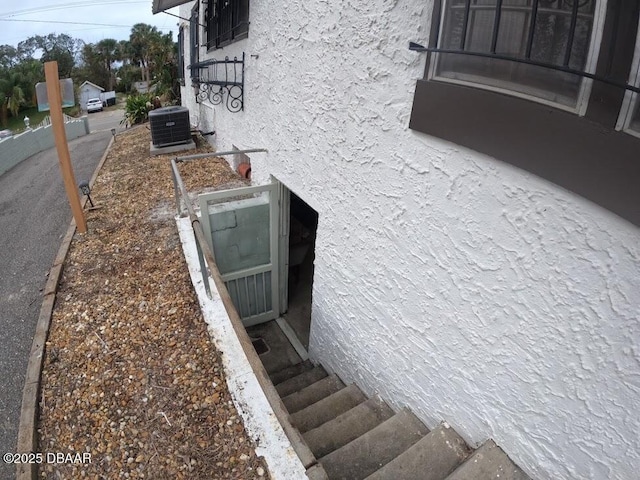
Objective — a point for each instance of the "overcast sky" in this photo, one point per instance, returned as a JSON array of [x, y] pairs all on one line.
[[21, 19]]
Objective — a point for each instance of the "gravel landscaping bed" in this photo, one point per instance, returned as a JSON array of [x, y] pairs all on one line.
[[130, 375]]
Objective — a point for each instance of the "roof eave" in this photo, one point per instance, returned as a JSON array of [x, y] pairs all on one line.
[[158, 6]]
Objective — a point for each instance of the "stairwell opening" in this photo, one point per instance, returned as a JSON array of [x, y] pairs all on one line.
[[336, 429], [287, 338], [303, 222]]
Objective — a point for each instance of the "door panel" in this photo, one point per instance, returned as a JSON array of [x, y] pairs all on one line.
[[240, 233], [242, 230], [284, 200]]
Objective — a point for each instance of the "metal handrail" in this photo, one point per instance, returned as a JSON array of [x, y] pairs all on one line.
[[177, 180]]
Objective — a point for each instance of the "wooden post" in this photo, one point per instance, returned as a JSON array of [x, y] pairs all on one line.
[[60, 136]]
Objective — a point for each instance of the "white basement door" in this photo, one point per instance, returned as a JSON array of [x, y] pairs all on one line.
[[241, 226]]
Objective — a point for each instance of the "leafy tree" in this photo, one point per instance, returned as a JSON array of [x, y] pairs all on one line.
[[148, 55], [60, 48], [137, 108], [124, 48], [15, 99], [137, 49], [20, 69], [11, 56], [11, 96], [156, 55], [164, 54], [127, 75], [30, 72], [144, 40], [8, 56], [93, 67]]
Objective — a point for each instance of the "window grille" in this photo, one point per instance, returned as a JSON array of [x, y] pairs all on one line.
[[220, 82], [227, 22], [493, 33]]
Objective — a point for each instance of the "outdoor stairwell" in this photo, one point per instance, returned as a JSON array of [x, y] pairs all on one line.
[[354, 437]]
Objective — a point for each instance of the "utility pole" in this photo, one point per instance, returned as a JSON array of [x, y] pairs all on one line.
[[60, 136]]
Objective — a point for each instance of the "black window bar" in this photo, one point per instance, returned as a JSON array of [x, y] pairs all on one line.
[[561, 68], [220, 81], [227, 21], [470, 5]]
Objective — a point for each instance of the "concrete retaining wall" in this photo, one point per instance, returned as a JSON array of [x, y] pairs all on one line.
[[20, 147]]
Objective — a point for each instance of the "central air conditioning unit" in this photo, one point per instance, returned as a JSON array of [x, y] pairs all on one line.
[[170, 126]]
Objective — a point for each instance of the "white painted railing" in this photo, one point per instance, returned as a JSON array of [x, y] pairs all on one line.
[[47, 120]]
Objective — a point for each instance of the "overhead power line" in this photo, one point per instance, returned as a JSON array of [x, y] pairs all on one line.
[[60, 21], [73, 23], [63, 6]]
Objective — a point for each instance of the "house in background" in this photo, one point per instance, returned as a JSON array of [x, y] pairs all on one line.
[[476, 250], [89, 90], [144, 87]]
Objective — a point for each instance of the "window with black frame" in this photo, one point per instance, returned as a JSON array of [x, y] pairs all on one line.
[[181, 55], [227, 22], [545, 85], [194, 38], [494, 33], [629, 119]]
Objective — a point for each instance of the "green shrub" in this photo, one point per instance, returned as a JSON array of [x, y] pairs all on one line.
[[137, 108]]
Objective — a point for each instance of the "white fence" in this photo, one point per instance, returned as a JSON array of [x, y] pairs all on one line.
[[20, 147], [47, 120]]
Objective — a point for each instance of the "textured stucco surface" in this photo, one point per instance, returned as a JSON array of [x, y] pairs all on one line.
[[445, 281]]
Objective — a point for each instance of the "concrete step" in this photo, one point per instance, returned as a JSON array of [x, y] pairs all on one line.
[[300, 381], [487, 462], [315, 392], [290, 372], [431, 458], [328, 408], [366, 454], [350, 425], [316, 473]]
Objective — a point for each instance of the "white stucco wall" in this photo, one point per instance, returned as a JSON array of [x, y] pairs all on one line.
[[445, 281]]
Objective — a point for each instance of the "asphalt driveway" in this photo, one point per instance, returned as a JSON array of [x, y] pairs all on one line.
[[34, 216], [106, 120]]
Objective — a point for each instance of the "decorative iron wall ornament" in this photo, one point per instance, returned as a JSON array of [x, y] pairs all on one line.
[[220, 81]]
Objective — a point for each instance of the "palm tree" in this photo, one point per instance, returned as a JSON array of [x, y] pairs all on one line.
[[11, 96], [31, 71], [158, 58], [4, 115], [15, 100], [109, 51], [164, 53], [124, 52], [141, 42]]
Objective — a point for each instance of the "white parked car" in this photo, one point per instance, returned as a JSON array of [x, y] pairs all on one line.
[[94, 105]]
